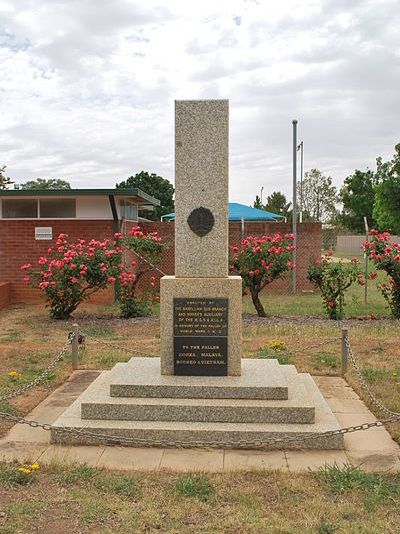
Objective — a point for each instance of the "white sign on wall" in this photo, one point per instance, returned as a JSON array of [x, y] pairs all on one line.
[[43, 233]]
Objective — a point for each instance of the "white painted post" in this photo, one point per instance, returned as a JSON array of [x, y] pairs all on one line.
[[74, 346], [345, 354]]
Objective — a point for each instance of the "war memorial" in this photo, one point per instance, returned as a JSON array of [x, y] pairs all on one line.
[[200, 392]]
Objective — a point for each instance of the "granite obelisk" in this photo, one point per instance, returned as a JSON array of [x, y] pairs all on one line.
[[201, 306]]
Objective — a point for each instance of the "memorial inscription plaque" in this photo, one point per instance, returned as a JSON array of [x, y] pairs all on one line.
[[200, 336]]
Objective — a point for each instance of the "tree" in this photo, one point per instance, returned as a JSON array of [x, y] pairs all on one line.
[[387, 193], [319, 197], [153, 185], [357, 196], [257, 203], [52, 183], [4, 180], [276, 203]]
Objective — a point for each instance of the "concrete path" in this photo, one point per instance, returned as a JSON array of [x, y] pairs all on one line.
[[373, 449]]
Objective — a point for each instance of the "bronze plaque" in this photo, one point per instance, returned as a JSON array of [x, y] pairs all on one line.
[[201, 336], [201, 221]]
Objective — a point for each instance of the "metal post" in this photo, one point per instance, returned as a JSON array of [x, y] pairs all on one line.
[[242, 227], [345, 354], [294, 212], [74, 346], [366, 262], [301, 181], [262, 188]]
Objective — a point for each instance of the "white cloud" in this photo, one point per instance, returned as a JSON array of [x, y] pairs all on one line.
[[87, 87]]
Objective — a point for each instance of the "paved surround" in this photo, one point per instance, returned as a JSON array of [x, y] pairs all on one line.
[[373, 449]]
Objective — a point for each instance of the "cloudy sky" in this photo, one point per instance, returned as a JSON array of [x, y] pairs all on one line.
[[87, 87]]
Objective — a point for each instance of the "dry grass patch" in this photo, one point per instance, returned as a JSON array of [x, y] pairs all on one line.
[[331, 500]]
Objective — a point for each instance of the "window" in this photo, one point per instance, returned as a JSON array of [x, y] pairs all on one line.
[[45, 208], [57, 208], [20, 209], [128, 210]]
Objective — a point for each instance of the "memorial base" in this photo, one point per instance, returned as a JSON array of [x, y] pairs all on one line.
[[174, 291]]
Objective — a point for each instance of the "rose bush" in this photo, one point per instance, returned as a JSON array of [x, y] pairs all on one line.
[[71, 272], [259, 261], [386, 256], [332, 279], [148, 251]]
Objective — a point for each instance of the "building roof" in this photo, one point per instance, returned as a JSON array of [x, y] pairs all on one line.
[[140, 197], [237, 212]]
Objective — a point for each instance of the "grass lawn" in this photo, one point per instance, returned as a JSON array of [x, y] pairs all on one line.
[[87, 500]]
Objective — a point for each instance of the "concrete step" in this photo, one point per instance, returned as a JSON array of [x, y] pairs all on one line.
[[97, 404], [140, 377]]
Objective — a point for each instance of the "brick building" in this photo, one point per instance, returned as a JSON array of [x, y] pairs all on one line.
[[31, 220]]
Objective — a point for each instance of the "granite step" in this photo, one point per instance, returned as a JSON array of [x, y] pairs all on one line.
[[140, 377], [97, 404], [197, 434]]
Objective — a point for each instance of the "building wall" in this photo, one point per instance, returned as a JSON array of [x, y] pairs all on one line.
[[351, 244], [309, 245], [93, 208], [18, 246], [5, 293], [87, 207]]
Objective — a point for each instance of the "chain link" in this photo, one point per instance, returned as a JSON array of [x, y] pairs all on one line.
[[315, 346], [150, 442], [42, 375], [376, 402], [148, 262], [115, 346], [270, 442]]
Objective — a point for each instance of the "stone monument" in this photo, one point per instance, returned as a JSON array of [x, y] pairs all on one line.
[[200, 392], [201, 306]]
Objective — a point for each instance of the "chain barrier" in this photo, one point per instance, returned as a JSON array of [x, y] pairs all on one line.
[[136, 351], [376, 402], [148, 262], [111, 439], [271, 442], [42, 375], [315, 346], [115, 346]]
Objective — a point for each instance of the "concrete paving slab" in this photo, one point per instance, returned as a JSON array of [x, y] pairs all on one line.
[[370, 440], [64, 455], [191, 460], [354, 419], [237, 460], [330, 381], [303, 460], [21, 452], [347, 406], [375, 461], [131, 459]]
